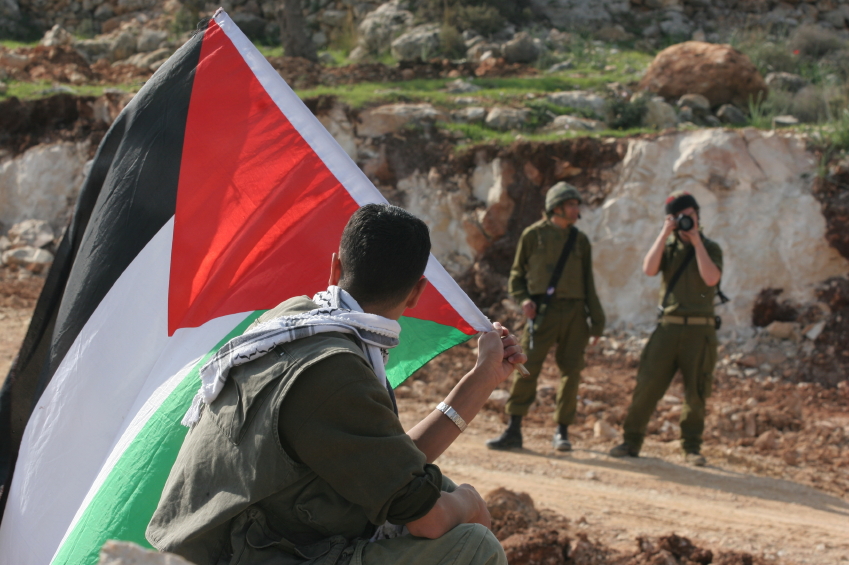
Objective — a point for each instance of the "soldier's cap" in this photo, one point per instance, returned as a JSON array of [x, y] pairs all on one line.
[[679, 201], [560, 193]]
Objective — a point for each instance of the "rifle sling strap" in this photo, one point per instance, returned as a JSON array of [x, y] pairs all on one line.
[[559, 266], [674, 280]]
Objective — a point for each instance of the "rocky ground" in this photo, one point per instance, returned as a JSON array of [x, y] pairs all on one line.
[[776, 489]]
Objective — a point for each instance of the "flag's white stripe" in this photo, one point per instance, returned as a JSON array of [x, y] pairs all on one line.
[[337, 161], [119, 360]]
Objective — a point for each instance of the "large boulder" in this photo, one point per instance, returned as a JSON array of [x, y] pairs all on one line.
[[521, 49], [380, 27], [720, 73], [418, 44], [390, 118], [43, 182], [754, 188]]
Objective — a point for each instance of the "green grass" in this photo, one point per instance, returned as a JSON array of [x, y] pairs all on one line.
[[269, 50], [41, 89], [12, 44]]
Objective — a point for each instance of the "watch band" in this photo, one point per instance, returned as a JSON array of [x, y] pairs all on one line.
[[451, 413]]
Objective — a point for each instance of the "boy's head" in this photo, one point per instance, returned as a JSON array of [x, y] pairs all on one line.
[[383, 254]]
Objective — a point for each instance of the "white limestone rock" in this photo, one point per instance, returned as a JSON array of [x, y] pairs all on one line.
[[418, 44], [57, 35], [380, 27], [390, 118], [754, 188], [30, 258], [659, 114], [340, 127], [502, 118], [574, 123], [43, 182], [33, 233], [579, 100]]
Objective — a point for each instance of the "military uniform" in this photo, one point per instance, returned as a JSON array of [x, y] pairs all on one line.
[[565, 321], [297, 461], [684, 339]]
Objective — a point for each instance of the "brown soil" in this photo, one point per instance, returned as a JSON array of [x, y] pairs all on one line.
[[301, 73], [26, 123], [64, 65], [776, 488]]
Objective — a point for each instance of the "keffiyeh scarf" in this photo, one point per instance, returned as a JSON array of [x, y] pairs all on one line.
[[337, 312]]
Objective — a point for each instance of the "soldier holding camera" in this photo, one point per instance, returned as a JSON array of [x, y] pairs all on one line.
[[685, 337], [552, 278]]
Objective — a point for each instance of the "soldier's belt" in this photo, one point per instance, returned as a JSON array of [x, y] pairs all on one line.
[[688, 320]]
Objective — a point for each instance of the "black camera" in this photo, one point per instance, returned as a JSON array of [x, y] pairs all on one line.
[[684, 222]]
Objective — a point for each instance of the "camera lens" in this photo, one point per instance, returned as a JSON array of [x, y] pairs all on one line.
[[684, 223]]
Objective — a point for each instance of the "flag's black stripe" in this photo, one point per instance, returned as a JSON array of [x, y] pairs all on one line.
[[130, 193]]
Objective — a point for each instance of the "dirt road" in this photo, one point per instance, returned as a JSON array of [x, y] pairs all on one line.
[[617, 501]]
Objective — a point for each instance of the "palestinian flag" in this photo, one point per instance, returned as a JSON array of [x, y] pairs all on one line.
[[214, 196]]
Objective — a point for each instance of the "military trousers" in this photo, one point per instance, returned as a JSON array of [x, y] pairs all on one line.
[[564, 325], [673, 347]]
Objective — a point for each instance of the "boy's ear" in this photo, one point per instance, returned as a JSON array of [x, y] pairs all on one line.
[[416, 293], [335, 270]]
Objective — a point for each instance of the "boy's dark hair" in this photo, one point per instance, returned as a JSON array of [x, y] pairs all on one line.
[[384, 252]]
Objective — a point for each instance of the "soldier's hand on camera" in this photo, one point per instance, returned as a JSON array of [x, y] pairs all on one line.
[[692, 236], [669, 225], [529, 308]]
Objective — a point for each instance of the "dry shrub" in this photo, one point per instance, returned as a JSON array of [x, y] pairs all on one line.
[[813, 42], [809, 105]]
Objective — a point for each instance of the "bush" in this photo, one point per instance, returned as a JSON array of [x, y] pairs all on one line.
[[451, 42], [814, 42], [480, 11], [769, 57], [809, 105], [485, 20], [625, 114]]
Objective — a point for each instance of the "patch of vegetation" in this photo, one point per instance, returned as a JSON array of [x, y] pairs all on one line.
[[486, 20], [624, 114], [13, 44], [269, 50], [42, 89], [451, 42]]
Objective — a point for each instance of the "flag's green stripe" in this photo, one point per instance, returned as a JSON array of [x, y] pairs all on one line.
[[421, 341], [128, 497], [126, 500]]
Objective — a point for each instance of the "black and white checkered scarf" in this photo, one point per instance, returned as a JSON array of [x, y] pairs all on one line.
[[337, 312]]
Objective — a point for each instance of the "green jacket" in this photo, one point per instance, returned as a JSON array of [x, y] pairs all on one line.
[[299, 455], [536, 255], [691, 296]]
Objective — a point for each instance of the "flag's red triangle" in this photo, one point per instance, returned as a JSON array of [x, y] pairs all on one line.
[[238, 196]]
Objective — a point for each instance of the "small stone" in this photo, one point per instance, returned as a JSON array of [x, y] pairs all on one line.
[[814, 331], [498, 399], [781, 330], [34, 233], [560, 67], [696, 102], [30, 258], [603, 430], [461, 86], [784, 121], [506, 118], [730, 114]]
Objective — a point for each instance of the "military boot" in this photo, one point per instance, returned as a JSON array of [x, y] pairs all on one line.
[[561, 439], [511, 438], [695, 459], [624, 449]]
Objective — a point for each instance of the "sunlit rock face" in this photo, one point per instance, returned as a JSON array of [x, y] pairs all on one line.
[[754, 188]]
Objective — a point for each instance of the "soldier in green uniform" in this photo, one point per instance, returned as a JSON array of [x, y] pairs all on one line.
[[564, 321], [301, 459], [685, 337]]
